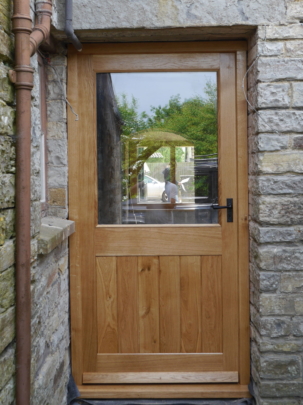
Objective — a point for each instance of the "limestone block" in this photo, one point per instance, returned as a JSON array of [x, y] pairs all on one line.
[[281, 162], [274, 69], [56, 110], [281, 345], [274, 234], [7, 327], [57, 176], [7, 395], [56, 130], [5, 14], [275, 327], [299, 306], [284, 401], [297, 327], [277, 305], [297, 142], [6, 87], [291, 282], [278, 258], [7, 155], [164, 14], [53, 231], [6, 47], [294, 11], [58, 212], [280, 184], [279, 210], [57, 196], [55, 90], [281, 368], [35, 188], [9, 218], [7, 191], [293, 31], [268, 143], [293, 49], [7, 255], [280, 389], [269, 282], [57, 152], [7, 365], [56, 74], [297, 93], [273, 95], [35, 217], [7, 289], [280, 121], [7, 116]]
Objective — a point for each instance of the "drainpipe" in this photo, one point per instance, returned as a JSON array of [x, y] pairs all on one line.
[[69, 30], [26, 43]]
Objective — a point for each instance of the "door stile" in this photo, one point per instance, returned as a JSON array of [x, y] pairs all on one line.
[[228, 189], [243, 243]]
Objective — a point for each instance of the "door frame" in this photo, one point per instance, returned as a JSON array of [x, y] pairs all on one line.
[[162, 391]]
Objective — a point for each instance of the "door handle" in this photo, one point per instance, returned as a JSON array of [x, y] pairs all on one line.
[[228, 206]]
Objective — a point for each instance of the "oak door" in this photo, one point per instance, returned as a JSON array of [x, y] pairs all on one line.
[[159, 299]]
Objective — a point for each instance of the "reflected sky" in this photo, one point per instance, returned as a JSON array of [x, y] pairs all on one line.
[[156, 88]]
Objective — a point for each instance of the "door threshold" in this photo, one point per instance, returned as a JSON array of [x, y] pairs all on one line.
[[164, 391]]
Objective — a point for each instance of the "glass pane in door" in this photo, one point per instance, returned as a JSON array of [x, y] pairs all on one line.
[[157, 139]]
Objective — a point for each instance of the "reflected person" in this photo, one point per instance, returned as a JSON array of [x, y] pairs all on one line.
[[171, 189]]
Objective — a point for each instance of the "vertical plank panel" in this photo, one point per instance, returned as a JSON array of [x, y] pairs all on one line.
[[228, 189], [107, 305], [169, 304], [211, 304], [127, 289], [244, 349], [148, 271], [190, 304]]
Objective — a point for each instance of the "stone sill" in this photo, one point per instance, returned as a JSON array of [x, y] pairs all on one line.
[[53, 231]]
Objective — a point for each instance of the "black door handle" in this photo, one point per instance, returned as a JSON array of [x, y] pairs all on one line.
[[228, 206]]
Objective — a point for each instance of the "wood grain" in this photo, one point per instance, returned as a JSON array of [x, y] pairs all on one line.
[[156, 63], [243, 236], [127, 289], [160, 378], [160, 47], [159, 362], [212, 332], [169, 304], [228, 189], [148, 272], [165, 391], [153, 241], [107, 305], [191, 301]]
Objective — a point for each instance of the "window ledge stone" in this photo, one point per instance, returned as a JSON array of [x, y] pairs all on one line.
[[53, 231]]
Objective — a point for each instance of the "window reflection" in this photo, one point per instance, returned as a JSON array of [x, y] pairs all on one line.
[[157, 148]]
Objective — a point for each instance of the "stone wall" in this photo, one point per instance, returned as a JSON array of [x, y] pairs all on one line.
[[7, 204], [50, 367], [276, 208]]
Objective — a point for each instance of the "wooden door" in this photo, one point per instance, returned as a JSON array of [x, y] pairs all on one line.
[[159, 311]]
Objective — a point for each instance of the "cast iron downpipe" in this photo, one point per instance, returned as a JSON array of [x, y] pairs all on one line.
[[69, 31], [26, 44]]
